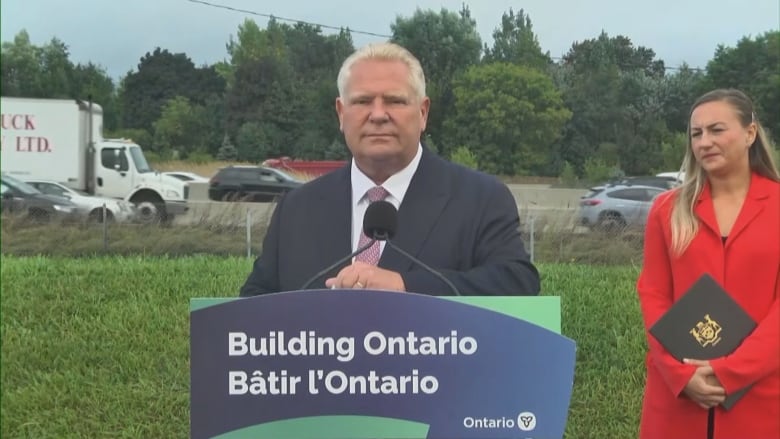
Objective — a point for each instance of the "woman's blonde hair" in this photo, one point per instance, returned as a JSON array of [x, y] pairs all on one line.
[[685, 225]]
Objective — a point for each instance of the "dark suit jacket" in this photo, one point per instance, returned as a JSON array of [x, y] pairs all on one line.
[[460, 222]]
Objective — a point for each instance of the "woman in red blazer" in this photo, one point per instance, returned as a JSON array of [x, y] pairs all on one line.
[[723, 220]]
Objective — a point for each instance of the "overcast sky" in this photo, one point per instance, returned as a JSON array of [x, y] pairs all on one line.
[[116, 34]]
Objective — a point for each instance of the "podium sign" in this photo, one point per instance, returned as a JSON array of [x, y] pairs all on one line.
[[372, 364]]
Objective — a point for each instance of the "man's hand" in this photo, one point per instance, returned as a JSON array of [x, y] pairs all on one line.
[[704, 387], [360, 275]]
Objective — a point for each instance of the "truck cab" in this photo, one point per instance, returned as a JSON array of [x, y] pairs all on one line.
[[123, 172]]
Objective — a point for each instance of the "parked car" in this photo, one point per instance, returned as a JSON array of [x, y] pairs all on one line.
[[663, 182], [19, 198], [614, 208], [250, 183], [188, 177], [678, 176], [116, 210]]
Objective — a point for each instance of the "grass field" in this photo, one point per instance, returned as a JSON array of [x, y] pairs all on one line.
[[99, 347], [222, 232]]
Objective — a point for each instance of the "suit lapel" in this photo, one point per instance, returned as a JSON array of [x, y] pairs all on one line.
[[428, 194], [334, 226]]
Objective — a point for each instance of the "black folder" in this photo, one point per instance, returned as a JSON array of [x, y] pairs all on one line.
[[705, 323]]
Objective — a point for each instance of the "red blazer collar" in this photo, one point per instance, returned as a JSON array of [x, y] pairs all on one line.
[[760, 189]]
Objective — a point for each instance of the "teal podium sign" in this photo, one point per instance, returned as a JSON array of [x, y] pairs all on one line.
[[362, 364]]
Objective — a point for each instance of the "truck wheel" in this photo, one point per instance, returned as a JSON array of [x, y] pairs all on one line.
[[150, 210]]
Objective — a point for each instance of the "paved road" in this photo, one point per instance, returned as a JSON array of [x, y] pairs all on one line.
[[543, 196], [533, 194]]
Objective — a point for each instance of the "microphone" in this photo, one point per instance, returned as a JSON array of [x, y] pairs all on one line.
[[382, 227], [373, 220], [381, 221]]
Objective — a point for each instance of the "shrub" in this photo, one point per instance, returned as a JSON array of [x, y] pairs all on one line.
[[568, 175], [597, 171], [465, 157]]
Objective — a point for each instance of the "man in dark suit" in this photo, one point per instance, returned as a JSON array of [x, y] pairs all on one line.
[[460, 222]]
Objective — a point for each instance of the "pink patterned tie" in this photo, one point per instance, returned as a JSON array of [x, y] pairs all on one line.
[[371, 254]]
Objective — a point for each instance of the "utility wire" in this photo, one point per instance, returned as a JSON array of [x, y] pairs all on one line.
[[276, 17], [293, 20]]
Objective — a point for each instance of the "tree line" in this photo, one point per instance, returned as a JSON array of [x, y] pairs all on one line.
[[607, 107]]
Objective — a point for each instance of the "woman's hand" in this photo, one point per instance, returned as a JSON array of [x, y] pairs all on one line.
[[703, 387]]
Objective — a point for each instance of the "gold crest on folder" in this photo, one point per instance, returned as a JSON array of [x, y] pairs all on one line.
[[707, 332]]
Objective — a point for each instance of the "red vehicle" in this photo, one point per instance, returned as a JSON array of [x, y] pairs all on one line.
[[305, 169]]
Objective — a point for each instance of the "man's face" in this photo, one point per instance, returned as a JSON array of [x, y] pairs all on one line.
[[381, 117]]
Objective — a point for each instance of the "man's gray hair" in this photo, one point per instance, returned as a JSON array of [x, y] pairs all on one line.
[[385, 51]]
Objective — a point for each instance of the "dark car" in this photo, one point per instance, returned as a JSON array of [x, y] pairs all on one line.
[[250, 183], [19, 198]]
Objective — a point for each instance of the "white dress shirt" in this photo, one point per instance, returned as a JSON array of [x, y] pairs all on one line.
[[396, 185]]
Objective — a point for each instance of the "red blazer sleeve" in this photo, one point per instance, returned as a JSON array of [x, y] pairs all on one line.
[[757, 356], [655, 289]]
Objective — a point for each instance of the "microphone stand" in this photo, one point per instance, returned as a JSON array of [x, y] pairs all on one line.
[[383, 237], [339, 262]]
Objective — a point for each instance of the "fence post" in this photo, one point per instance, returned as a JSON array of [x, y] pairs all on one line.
[[533, 236], [105, 229], [248, 233]]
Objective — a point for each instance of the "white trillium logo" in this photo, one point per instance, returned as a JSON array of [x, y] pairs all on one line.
[[526, 421]]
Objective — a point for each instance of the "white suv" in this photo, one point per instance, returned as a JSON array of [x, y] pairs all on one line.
[[614, 208]]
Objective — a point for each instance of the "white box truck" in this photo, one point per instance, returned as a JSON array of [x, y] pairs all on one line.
[[62, 140]]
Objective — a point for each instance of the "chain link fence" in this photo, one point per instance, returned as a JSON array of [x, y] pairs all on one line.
[[551, 232]]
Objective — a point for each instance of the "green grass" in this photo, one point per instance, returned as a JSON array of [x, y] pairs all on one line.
[[21, 238], [99, 347], [223, 233]]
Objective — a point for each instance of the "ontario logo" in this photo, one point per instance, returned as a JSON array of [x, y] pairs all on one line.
[[525, 421]]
